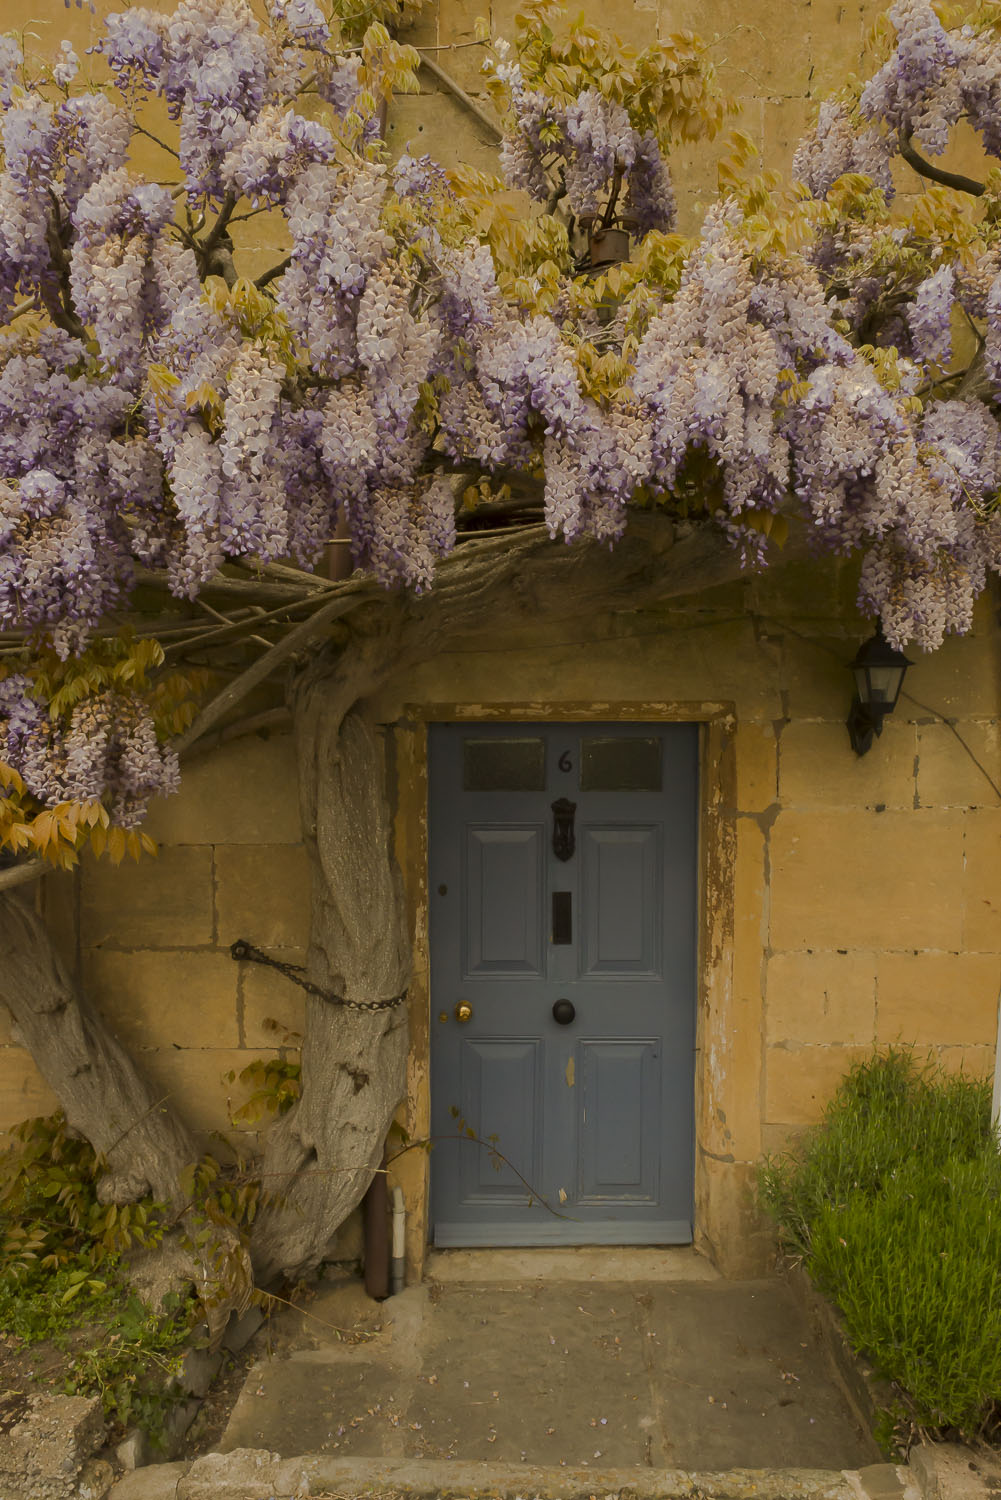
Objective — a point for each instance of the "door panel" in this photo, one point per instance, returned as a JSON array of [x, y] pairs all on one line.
[[620, 1121], [621, 901], [501, 1098], [502, 897], [595, 1116]]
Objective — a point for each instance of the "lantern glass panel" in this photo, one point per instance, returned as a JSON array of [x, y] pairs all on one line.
[[884, 683]]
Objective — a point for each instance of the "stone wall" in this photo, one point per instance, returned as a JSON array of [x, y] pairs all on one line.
[[863, 904], [151, 942]]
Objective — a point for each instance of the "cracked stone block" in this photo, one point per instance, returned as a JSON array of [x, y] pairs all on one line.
[[95, 1481], [883, 1481], [157, 1482], [950, 1471], [244, 1474], [241, 1329], [133, 1451], [198, 1370], [44, 1450]]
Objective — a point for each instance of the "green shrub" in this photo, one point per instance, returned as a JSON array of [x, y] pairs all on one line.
[[894, 1204], [60, 1279]]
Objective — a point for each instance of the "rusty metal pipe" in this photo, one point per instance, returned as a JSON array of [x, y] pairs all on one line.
[[376, 1222]]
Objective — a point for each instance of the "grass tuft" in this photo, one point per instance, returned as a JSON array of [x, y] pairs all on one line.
[[894, 1204]]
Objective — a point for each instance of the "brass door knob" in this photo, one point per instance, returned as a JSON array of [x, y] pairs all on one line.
[[463, 1011]]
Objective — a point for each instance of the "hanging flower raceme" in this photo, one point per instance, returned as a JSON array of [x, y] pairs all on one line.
[[599, 149], [106, 751], [838, 145], [708, 373], [917, 91]]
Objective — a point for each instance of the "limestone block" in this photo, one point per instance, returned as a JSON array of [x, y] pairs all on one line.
[[815, 673], [937, 999], [946, 775], [758, 49], [157, 1482], [818, 768], [241, 1329], [835, 39], [437, 123], [244, 1474], [723, 661], [462, 58], [821, 997], [951, 1471], [982, 881], [784, 123], [423, 30], [756, 766], [23, 1091], [134, 1450], [459, 53], [731, 1089], [270, 996], [809, 590], [263, 895], [975, 1062], [778, 1138], [161, 999], [960, 679], [634, 23], [732, 1229], [160, 903], [855, 879], [195, 1078], [243, 793], [801, 1080]]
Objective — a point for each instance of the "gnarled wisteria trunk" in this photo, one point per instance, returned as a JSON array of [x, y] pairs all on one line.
[[321, 1156], [108, 1100]]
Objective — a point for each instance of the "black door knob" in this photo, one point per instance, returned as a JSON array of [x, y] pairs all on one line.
[[564, 1012]]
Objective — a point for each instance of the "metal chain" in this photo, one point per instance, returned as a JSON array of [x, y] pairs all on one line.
[[242, 950]]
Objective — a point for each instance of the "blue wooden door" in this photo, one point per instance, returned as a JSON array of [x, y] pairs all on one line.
[[563, 901]]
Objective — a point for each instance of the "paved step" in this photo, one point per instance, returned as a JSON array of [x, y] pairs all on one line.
[[256, 1475], [681, 1375]]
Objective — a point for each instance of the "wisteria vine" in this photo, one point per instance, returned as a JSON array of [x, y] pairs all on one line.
[[159, 410]]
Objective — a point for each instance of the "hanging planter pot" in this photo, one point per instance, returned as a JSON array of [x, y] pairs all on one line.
[[608, 247]]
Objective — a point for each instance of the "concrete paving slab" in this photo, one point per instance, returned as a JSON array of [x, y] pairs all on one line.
[[293, 1406], [536, 1373], [741, 1379], [636, 1375]]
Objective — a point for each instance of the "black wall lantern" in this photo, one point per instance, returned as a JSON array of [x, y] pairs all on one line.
[[879, 676]]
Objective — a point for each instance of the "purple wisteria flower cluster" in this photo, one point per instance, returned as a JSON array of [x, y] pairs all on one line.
[[109, 750], [591, 140], [145, 419]]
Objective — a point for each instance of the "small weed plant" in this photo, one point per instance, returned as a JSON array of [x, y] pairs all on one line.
[[60, 1277], [894, 1205]]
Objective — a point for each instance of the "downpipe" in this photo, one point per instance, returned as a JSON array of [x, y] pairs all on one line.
[[375, 1219], [399, 1267]]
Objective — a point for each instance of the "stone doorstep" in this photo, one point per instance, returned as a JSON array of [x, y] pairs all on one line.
[[944, 1472]]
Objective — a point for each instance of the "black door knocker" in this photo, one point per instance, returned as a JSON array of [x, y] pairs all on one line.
[[564, 842]]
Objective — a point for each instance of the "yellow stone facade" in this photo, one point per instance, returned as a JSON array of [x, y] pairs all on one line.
[[845, 902]]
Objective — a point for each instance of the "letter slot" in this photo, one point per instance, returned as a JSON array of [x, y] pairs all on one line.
[[562, 917]]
